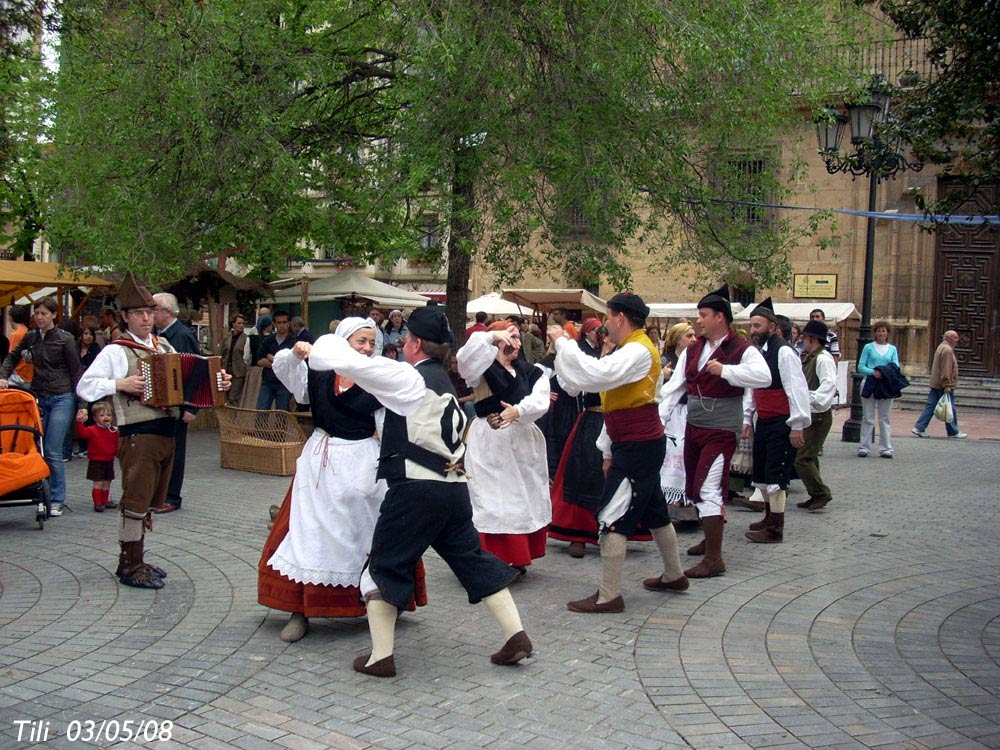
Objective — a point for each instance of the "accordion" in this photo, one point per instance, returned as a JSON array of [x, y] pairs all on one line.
[[178, 379]]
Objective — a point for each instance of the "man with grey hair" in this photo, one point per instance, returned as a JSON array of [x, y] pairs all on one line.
[[944, 378], [299, 331], [182, 339]]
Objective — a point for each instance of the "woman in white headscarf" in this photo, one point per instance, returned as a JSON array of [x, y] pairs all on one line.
[[320, 540]]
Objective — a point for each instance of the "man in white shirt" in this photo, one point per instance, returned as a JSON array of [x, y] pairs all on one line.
[[714, 373], [145, 434], [782, 414], [821, 377]]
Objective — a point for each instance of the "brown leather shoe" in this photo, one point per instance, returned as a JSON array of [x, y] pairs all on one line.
[[165, 508], [706, 569], [807, 504], [382, 668], [576, 549], [818, 504], [591, 606], [698, 549], [746, 502], [764, 536], [517, 647], [658, 584]]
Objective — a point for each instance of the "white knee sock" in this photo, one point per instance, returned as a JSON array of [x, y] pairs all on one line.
[[778, 502], [666, 541], [382, 626], [129, 529], [612, 559], [504, 611]]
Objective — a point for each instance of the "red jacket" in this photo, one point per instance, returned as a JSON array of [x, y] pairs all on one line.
[[102, 442]]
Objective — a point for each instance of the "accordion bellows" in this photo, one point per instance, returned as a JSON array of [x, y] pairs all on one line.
[[180, 379]]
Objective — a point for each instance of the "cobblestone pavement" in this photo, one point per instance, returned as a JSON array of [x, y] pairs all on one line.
[[875, 625]]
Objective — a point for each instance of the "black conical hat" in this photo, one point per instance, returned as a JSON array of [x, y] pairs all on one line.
[[718, 300], [765, 309]]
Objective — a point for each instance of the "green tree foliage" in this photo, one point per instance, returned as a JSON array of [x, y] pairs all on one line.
[[187, 128], [953, 117], [549, 133], [586, 130], [23, 83]]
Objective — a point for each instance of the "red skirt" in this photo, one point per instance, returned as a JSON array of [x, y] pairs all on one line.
[[313, 600], [515, 549]]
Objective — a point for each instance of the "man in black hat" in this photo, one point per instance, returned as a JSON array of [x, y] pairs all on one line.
[[821, 376], [427, 504], [714, 373], [628, 380], [145, 433], [782, 414]]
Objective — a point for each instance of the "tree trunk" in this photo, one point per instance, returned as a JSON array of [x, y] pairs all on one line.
[[461, 239]]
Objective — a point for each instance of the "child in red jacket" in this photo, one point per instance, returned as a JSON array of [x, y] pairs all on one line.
[[102, 447]]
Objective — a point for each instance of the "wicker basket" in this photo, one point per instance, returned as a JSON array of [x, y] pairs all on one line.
[[268, 442]]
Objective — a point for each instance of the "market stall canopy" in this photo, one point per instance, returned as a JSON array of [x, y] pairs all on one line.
[[23, 278], [347, 284], [216, 284], [546, 300], [687, 310], [494, 304], [835, 312]]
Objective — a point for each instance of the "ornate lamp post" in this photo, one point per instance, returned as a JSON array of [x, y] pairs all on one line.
[[875, 154]]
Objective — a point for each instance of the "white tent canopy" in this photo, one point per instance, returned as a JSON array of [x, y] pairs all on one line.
[[494, 304], [835, 312], [347, 284], [687, 310], [546, 300]]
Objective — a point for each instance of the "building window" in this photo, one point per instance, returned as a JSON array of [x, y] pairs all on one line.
[[742, 183]]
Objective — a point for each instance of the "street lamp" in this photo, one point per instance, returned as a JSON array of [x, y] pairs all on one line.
[[875, 154]]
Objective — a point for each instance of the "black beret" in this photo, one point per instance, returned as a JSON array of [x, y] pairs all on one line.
[[430, 323], [630, 303]]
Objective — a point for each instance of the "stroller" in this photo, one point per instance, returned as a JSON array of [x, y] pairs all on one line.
[[23, 472]]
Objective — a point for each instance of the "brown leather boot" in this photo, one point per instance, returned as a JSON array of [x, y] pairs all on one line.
[[764, 522], [712, 565], [698, 549], [773, 534], [132, 571]]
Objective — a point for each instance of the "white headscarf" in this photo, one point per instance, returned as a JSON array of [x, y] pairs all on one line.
[[349, 326]]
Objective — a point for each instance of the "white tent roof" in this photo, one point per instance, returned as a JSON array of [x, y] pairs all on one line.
[[548, 299], [835, 312], [687, 310], [348, 284], [494, 304]]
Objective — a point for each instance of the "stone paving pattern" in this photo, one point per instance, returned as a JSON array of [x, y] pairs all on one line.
[[875, 625]]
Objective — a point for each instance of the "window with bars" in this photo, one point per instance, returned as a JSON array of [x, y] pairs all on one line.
[[742, 183]]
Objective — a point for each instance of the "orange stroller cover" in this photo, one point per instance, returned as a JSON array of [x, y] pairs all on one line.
[[20, 462]]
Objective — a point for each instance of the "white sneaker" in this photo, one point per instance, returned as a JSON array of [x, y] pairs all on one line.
[[918, 433], [862, 454], [55, 510], [959, 436]]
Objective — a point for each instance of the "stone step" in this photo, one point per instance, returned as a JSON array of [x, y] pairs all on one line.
[[976, 395]]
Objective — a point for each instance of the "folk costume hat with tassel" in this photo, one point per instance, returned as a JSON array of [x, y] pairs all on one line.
[[719, 301]]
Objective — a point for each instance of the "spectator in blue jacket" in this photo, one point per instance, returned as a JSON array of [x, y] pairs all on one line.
[[876, 353]]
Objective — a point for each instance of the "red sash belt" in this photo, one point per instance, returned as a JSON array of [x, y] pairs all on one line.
[[771, 403], [633, 425]]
